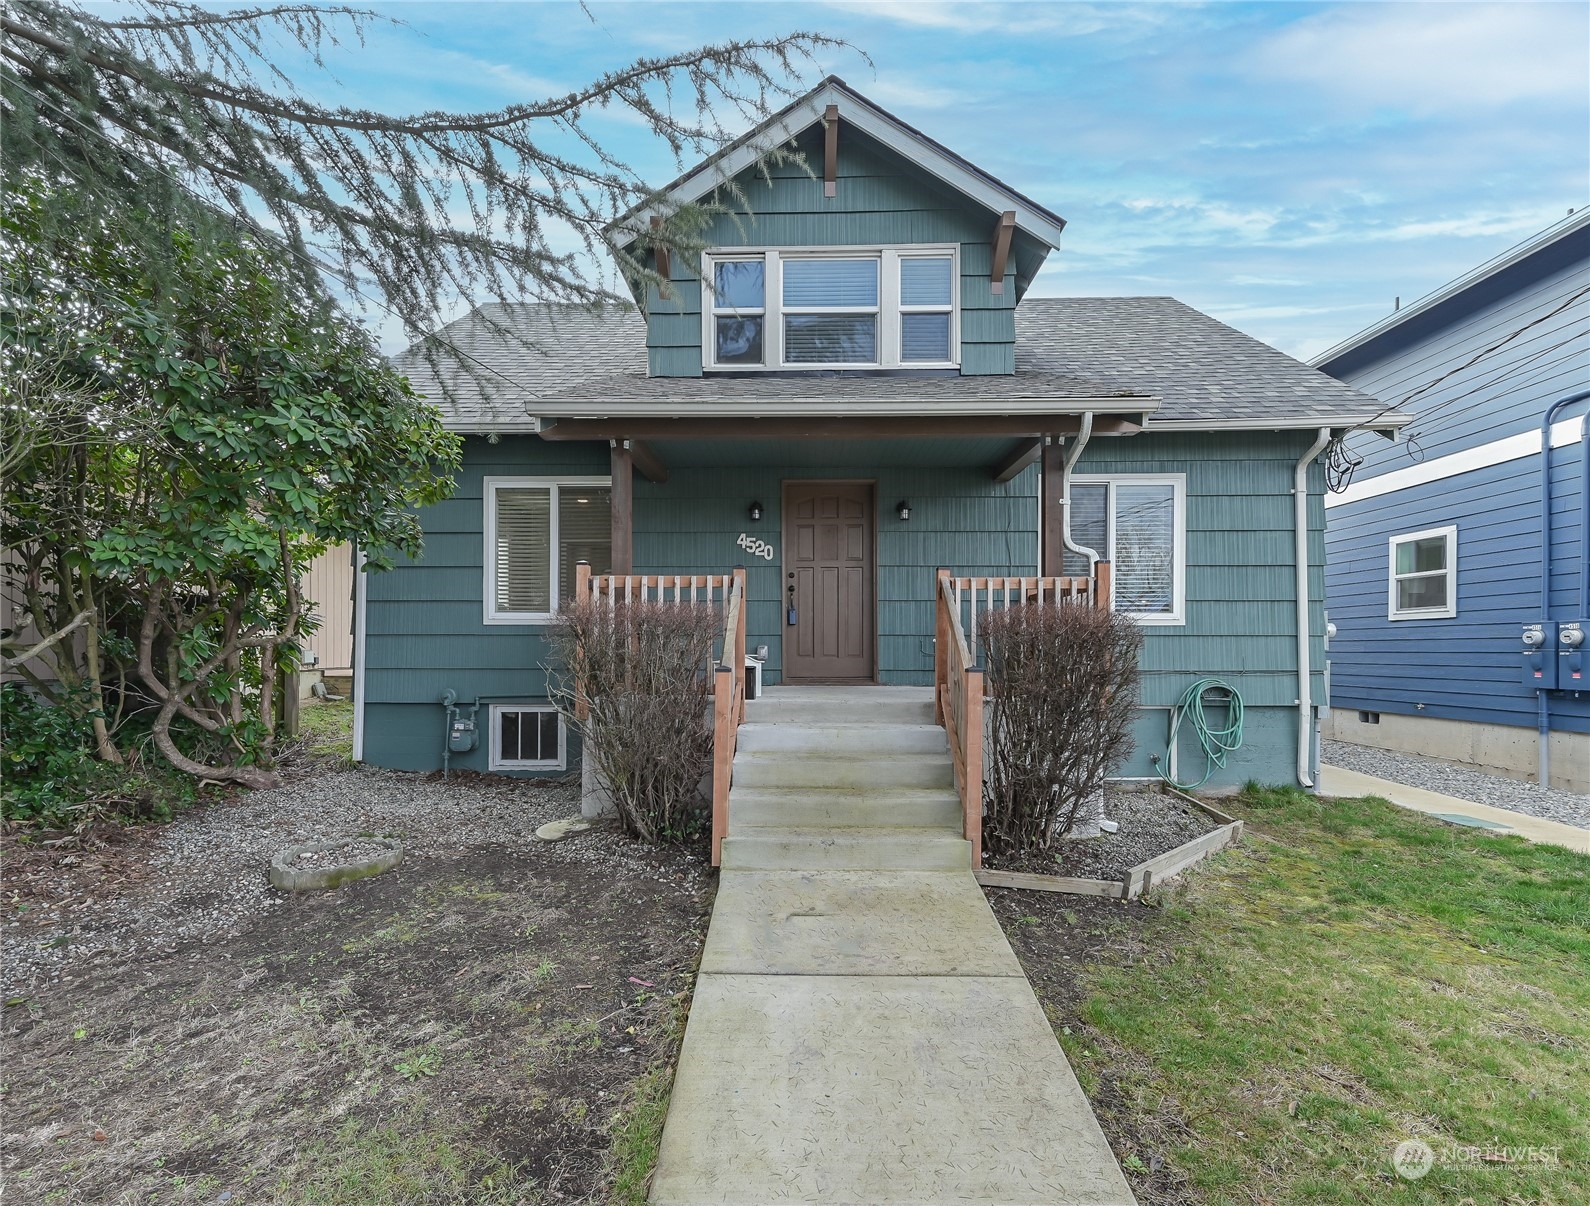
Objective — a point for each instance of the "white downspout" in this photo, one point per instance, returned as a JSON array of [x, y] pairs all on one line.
[[1304, 670], [1073, 454]]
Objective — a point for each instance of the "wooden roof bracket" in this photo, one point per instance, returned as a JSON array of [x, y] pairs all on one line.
[[646, 461], [1003, 229], [831, 151], [660, 253]]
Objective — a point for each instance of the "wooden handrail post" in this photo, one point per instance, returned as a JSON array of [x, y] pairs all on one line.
[[972, 745], [739, 642], [941, 644], [582, 597], [722, 757], [1102, 584]]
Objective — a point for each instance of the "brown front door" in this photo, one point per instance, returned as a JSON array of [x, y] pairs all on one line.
[[828, 579]]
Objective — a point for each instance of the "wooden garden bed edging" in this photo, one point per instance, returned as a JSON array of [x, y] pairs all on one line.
[[1139, 878]]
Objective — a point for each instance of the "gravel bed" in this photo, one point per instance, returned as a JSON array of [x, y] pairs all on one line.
[[1151, 824], [359, 851], [1466, 783], [209, 867]]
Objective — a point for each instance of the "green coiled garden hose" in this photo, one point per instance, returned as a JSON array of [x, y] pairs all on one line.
[[1217, 742]]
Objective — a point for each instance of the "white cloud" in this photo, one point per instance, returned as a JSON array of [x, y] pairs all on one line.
[[1017, 19], [1434, 58]]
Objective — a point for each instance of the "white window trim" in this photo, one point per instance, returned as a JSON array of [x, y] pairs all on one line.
[[772, 310], [497, 762], [1449, 534], [1178, 485], [489, 488]]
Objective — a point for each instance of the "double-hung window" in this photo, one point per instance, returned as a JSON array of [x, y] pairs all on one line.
[[1138, 522], [892, 307], [1423, 575], [536, 531]]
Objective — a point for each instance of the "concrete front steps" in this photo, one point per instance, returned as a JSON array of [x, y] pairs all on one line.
[[844, 778]]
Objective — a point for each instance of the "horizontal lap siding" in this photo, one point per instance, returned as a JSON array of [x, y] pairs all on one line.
[[1470, 667], [424, 628], [1547, 355], [880, 200]]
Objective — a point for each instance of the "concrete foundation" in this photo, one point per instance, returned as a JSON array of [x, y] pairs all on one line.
[[1497, 748]]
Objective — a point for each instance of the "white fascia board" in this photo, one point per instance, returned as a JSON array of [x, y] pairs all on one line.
[[1482, 456], [839, 408], [858, 112], [1391, 422]]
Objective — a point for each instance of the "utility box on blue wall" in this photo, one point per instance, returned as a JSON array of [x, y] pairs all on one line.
[[1540, 656]]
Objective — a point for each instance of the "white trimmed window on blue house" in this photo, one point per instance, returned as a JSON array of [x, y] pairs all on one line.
[[1422, 575], [536, 531], [890, 307], [1138, 522], [527, 737]]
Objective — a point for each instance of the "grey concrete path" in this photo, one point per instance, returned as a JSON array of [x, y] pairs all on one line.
[[1337, 781], [864, 1034]]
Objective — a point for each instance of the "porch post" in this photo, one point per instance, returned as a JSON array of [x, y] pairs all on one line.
[[623, 495], [942, 636], [1053, 511]]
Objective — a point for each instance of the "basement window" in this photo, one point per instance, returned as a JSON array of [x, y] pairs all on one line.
[[834, 308], [526, 738], [536, 531], [1422, 575]]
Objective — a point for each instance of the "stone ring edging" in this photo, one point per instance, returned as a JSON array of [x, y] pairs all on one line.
[[303, 879]]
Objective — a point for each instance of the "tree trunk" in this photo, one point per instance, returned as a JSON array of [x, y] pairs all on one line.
[[247, 776]]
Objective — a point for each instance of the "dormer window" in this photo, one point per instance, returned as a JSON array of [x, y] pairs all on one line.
[[891, 307]]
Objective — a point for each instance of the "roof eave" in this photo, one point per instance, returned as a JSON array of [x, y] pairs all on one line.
[[1384, 423], [933, 157]]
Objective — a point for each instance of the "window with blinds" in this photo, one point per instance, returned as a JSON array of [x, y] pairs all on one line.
[[893, 307], [536, 533], [1138, 523]]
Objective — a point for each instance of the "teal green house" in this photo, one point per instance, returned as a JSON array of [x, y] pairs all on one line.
[[849, 389]]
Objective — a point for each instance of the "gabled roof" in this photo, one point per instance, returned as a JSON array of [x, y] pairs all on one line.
[[1137, 355], [1546, 252], [855, 110]]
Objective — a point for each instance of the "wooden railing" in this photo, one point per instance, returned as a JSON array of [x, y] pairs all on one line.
[[728, 672], [728, 710], [958, 686]]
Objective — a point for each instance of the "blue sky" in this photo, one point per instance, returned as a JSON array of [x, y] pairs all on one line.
[[1287, 167]]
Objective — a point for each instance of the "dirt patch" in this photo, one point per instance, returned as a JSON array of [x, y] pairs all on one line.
[[1150, 824], [463, 1028], [1056, 938]]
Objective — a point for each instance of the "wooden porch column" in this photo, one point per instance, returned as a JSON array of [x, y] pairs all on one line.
[[942, 636], [623, 508], [1053, 513]]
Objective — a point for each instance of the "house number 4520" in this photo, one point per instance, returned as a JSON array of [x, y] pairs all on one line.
[[755, 547]]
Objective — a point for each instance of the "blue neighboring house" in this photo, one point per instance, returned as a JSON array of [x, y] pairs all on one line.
[[847, 390], [1461, 614]]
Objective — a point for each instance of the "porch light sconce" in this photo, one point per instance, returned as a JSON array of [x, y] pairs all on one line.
[[903, 510], [756, 512]]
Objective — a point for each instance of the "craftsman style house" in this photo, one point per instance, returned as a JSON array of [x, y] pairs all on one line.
[[848, 391]]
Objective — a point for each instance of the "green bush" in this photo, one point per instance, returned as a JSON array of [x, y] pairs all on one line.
[[52, 777]]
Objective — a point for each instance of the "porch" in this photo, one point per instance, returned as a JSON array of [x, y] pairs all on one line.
[[881, 779]]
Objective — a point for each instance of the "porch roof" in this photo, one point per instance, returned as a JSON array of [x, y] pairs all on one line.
[[1152, 359]]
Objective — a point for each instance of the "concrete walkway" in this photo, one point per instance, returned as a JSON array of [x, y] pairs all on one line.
[[1335, 781], [861, 1031]]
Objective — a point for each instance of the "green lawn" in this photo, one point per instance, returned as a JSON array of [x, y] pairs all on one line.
[[1356, 975]]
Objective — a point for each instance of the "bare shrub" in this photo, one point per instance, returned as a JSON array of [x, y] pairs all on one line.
[[1062, 682], [644, 670]]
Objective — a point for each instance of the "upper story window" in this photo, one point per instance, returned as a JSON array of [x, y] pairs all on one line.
[[1423, 577], [893, 307]]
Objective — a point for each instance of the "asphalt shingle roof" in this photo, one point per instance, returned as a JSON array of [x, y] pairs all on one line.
[[1070, 349]]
